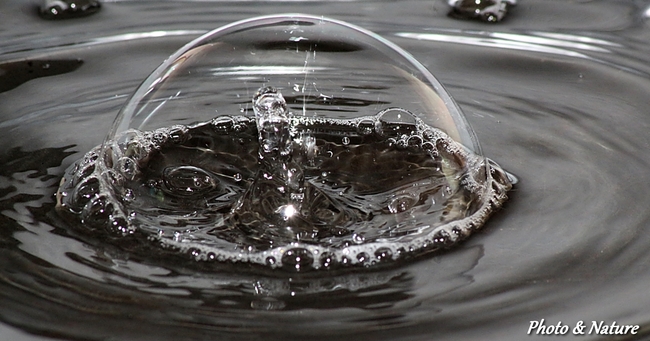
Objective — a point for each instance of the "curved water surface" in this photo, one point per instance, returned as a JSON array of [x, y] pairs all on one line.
[[557, 93]]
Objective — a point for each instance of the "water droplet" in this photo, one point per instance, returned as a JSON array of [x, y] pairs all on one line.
[[66, 9]]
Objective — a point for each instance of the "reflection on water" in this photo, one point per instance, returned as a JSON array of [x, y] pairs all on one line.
[[570, 122]]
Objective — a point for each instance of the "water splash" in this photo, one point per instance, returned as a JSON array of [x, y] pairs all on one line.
[[344, 181]]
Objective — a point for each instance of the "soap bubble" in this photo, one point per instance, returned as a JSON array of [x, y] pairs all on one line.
[[288, 141]]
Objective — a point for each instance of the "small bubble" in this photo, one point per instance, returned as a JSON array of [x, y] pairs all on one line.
[[362, 257], [298, 258], [402, 203], [429, 147], [188, 181], [223, 124], [128, 195], [159, 138], [196, 253], [178, 134], [119, 225], [402, 142], [327, 260], [270, 261], [86, 190], [84, 172], [383, 253], [414, 141], [97, 212], [397, 120], [442, 237], [345, 141], [237, 177], [366, 126]]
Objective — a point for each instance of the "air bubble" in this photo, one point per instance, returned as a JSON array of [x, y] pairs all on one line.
[[188, 181], [397, 121], [299, 259], [85, 190], [128, 167], [223, 124], [271, 171], [362, 257], [327, 260], [366, 126], [178, 134], [383, 254], [97, 212], [402, 203], [119, 225]]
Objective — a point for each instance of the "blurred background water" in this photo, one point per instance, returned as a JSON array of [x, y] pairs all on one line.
[[557, 93]]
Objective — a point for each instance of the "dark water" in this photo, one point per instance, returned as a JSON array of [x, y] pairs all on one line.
[[557, 94]]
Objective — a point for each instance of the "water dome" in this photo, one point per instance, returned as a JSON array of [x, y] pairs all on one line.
[[288, 141]]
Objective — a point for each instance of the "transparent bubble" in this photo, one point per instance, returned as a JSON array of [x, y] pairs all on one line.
[[288, 141], [323, 68]]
